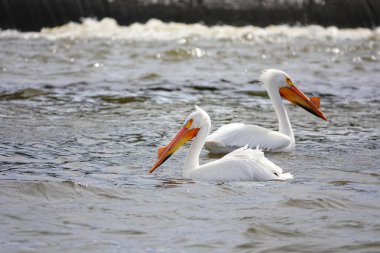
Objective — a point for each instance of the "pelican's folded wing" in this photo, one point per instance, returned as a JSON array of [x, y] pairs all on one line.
[[236, 135], [243, 164]]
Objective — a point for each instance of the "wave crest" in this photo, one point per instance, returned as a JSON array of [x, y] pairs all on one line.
[[157, 30]]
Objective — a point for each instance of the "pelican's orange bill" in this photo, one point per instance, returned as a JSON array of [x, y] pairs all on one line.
[[316, 101], [294, 95], [183, 136]]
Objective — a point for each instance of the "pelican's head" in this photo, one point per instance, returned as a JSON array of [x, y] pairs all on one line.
[[279, 80], [193, 123], [199, 118]]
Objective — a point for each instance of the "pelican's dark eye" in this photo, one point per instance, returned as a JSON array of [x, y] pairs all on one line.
[[275, 173], [289, 82], [189, 123]]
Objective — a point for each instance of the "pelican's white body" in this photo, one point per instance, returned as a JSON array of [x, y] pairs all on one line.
[[232, 136], [243, 164], [236, 135]]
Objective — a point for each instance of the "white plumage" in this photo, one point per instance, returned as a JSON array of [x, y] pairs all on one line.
[[278, 84], [243, 164], [232, 136]]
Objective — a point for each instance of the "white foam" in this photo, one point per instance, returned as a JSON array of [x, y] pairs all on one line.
[[157, 30]]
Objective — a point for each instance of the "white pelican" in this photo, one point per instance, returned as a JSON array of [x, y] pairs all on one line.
[[243, 164], [278, 84]]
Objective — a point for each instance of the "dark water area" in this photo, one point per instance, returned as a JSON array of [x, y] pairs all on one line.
[[83, 111], [33, 15]]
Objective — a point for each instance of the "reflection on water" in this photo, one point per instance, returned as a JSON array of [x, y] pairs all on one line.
[[83, 113]]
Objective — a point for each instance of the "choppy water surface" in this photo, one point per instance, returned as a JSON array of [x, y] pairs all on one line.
[[84, 107]]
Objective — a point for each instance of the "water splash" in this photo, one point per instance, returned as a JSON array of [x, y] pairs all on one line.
[[158, 30]]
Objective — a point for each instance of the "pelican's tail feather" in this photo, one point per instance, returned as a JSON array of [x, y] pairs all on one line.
[[285, 176]]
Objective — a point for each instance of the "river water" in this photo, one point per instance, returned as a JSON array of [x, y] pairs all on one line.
[[84, 107]]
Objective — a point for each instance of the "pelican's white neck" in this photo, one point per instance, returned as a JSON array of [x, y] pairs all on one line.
[[192, 157], [282, 116]]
